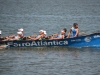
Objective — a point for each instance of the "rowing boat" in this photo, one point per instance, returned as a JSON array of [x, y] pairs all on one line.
[[92, 40]]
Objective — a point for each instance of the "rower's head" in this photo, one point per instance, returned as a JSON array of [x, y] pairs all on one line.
[[19, 34], [21, 30], [75, 25], [45, 33], [41, 32], [63, 32]]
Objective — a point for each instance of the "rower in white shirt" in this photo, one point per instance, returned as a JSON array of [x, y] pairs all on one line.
[[21, 30], [19, 36], [0, 33]]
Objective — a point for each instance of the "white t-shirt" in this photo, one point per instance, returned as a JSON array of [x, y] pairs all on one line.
[[16, 37], [0, 32]]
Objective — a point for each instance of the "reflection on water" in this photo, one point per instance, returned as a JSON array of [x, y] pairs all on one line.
[[50, 61]]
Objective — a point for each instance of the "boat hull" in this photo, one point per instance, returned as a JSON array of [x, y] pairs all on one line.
[[92, 40]]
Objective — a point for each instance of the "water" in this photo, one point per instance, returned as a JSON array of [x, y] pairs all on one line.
[[33, 15], [52, 16], [50, 61]]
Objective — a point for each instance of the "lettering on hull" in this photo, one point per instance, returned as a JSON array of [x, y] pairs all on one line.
[[38, 43], [97, 36]]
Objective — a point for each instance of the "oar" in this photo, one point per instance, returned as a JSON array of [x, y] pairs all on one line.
[[98, 31], [3, 46], [82, 34]]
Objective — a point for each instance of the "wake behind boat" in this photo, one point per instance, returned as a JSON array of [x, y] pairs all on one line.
[[92, 40]]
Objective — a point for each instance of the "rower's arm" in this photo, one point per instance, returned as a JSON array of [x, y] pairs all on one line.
[[77, 32], [69, 33], [36, 38], [62, 37]]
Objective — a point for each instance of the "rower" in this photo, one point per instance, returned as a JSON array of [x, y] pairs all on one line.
[[1, 38], [74, 30], [21, 30], [56, 35], [65, 30], [13, 37], [45, 35], [0, 33], [19, 36], [9, 38], [40, 36], [60, 36]]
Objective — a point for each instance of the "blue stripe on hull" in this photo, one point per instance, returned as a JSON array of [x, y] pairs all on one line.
[[92, 40]]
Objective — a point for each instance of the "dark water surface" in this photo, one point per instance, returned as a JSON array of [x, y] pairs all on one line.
[[50, 61], [52, 16]]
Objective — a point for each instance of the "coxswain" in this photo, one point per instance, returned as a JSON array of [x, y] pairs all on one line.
[[74, 30]]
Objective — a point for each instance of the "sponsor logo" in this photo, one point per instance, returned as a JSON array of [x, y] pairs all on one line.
[[76, 40], [10, 43], [39, 43], [87, 39]]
